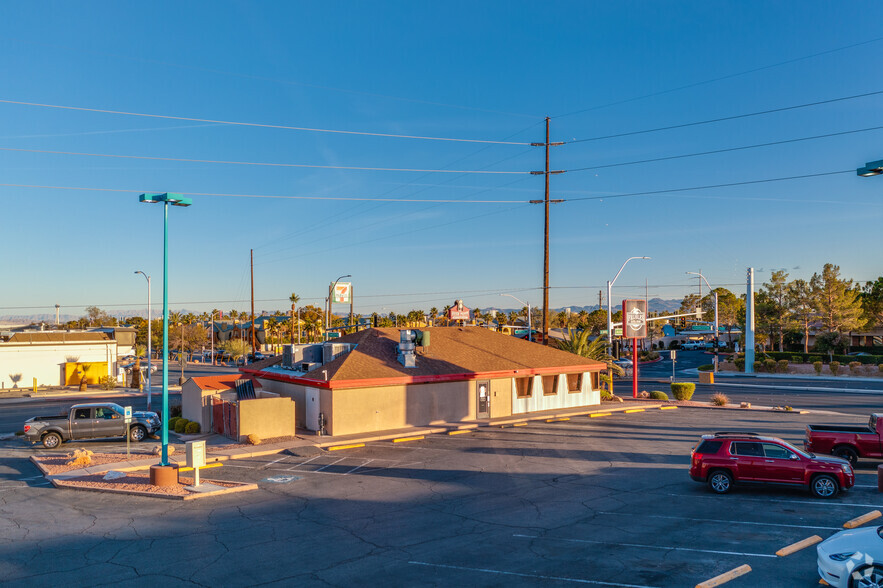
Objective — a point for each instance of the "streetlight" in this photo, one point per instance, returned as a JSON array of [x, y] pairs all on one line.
[[527, 304], [331, 302], [609, 307], [174, 200], [149, 336], [872, 168], [716, 328]]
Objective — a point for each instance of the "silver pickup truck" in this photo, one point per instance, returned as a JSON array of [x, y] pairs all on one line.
[[90, 421]]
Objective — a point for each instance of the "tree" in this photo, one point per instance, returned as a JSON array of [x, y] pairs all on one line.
[[294, 299], [596, 320], [872, 303], [98, 318], [579, 344], [802, 304], [773, 311], [195, 337], [236, 348], [837, 303]]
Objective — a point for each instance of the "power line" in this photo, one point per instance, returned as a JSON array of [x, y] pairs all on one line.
[[259, 163], [275, 197], [721, 78], [848, 171], [715, 151], [725, 118], [250, 124]]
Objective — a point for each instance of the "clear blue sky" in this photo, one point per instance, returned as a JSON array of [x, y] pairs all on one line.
[[466, 70]]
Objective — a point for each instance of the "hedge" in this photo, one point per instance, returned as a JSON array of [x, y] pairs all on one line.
[[706, 367], [180, 425], [683, 390], [658, 395], [823, 357], [192, 428]]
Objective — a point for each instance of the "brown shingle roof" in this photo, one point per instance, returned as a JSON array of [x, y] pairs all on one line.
[[58, 337]]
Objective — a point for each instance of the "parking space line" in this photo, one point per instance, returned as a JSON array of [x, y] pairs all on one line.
[[358, 466], [830, 504], [725, 577], [523, 575], [275, 461], [330, 464], [795, 547], [291, 469], [665, 547], [859, 521], [721, 521]]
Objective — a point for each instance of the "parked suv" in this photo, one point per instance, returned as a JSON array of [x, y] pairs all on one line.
[[727, 458], [693, 345]]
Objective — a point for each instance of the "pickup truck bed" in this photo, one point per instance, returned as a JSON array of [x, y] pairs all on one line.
[[839, 429], [848, 442]]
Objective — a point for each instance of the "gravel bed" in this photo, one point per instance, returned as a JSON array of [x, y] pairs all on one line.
[[137, 482], [269, 441], [57, 464]]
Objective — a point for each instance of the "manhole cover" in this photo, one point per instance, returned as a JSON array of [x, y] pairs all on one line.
[[281, 479]]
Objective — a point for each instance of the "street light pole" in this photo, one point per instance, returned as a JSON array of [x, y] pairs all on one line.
[[609, 304], [174, 200], [527, 304], [149, 338], [716, 328]]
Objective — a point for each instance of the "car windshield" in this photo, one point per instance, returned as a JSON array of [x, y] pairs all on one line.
[[880, 532], [117, 408], [795, 450]]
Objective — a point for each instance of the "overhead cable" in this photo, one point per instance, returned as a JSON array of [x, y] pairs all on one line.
[[261, 125]]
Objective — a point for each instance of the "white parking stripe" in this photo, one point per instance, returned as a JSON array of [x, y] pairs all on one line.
[[521, 575], [330, 464], [292, 468], [630, 514], [358, 466], [275, 461], [665, 547], [813, 502]]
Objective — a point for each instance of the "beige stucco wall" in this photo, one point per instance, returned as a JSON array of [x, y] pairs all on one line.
[[266, 417], [287, 390], [395, 407]]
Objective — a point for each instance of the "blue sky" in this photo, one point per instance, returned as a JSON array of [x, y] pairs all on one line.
[[484, 71]]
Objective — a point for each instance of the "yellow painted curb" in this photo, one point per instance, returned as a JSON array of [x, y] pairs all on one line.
[[725, 577], [667, 407], [460, 432], [403, 439], [599, 414], [859, 521], [556, 420], [804, 412], [519, 424], [216, 464], [634, 410], [788, 550], [350, 446]]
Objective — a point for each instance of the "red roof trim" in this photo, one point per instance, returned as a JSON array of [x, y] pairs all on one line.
[[405, 380]]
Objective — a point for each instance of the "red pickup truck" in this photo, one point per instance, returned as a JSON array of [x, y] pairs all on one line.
[[847, 442]]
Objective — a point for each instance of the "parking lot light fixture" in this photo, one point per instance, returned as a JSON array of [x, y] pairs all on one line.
[[527, 304], [610, 307], [872, 168], [716, 328], [174, 200]]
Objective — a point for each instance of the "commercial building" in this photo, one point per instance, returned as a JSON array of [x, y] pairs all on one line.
[[56, 358]]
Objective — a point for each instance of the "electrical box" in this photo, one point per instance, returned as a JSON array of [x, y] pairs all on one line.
[[195, 454]]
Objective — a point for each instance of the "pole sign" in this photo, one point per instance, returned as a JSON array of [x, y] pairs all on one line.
[[634, 319], [342, 292], [127, 414], [458, 312]]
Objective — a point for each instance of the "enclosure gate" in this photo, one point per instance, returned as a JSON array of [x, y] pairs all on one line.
[[225, 418]]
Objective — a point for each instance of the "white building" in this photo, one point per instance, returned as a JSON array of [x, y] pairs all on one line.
[[51, 356]]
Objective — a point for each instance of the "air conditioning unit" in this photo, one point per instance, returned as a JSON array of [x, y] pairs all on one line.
[[287, 357], [309, 366], [332, 351]]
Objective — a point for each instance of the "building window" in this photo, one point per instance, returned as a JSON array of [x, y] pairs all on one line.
[[524, 387], [574, 383], [550, 385]]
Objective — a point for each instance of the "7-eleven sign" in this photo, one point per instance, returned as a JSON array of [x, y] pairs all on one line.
[[343, 292]]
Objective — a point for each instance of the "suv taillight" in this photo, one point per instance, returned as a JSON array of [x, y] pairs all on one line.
[[27, 428]]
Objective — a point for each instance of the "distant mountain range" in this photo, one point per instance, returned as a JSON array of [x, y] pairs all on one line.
[[654, 304]]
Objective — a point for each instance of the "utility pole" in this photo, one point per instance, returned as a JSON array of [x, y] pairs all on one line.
[[600, 306], [253, 350], [546, 202]]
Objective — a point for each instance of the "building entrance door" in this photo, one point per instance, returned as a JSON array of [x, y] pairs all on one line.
[[312, 409], [484, 399]]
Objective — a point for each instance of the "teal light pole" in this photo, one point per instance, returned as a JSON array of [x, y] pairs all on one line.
[[175, 200]]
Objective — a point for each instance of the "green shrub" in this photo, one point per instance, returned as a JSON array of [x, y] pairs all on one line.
[[683, 390], [855, 367], [796, 359], [107, 382], [740, 363], [834, 366], [172, 422], [706, 367], [175, 411], [782, 366], [606, 394], [758, 367], [649, 356], [817, 365], [769, 365], [180, 425], [192, 428], [658, 395]]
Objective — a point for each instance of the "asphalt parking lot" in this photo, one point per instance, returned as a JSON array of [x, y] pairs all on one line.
[[590, 501]]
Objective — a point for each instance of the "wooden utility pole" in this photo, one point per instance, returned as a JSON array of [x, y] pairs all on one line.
[[253, 350], [546, 202]]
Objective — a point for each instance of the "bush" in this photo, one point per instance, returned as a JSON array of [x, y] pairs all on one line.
[[740, 363], [880, 368], [683, 390], [192, 428], [180, 425], [769, 365], [758, 367], [648, 356], [855, 367], [606, 394], [720, 399], [817, 365], [658, 395], [782, 366], [107, 382], [706, 367], [175, 411], [254, 439], [172, 422], [834, 366], [796, 359]]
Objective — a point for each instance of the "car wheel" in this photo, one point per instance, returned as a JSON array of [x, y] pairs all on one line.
[[138, 433], [866, 577], [847, 453], [51, 440], [824, 486], [720, 482]]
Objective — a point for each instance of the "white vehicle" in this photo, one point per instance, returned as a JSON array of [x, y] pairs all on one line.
[[852, 559], [692, 345]]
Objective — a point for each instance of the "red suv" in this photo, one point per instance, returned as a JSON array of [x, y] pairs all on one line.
[[722, 459]]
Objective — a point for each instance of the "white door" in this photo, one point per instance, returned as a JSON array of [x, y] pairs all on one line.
[[312, 409]]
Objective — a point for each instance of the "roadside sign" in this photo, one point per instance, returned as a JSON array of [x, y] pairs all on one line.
[[634, 318], [127, 414], [674, 355], [342, 292]]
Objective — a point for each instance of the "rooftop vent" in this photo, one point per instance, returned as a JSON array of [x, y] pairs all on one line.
[[406, 348]]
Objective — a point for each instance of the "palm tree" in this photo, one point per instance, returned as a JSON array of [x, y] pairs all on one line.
[[578, 343], [294, 298]]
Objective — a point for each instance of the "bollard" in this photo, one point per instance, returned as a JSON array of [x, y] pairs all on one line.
[[880, 478]]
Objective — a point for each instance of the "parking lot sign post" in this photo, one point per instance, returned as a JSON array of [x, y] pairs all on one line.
[[634, 327], [127, 416]]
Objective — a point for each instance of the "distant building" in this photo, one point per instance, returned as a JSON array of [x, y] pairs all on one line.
[[56, 358]]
